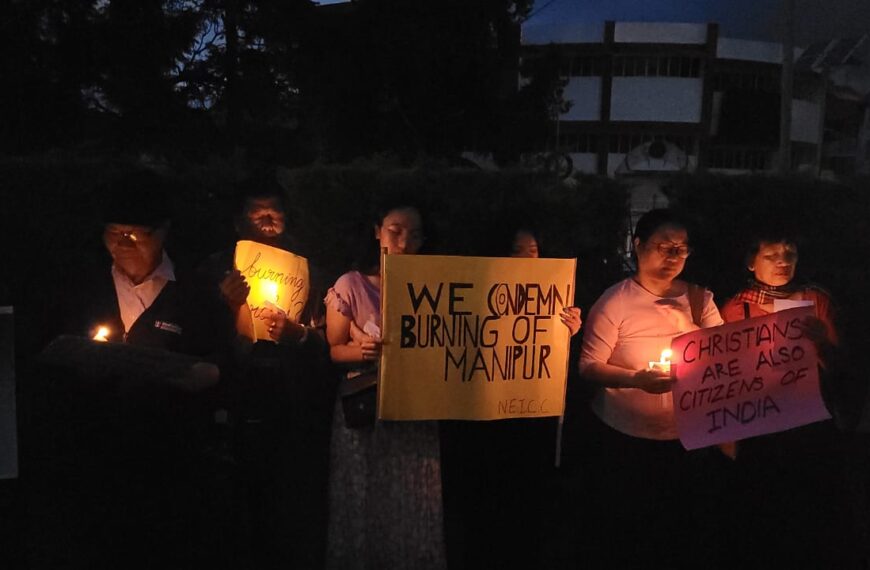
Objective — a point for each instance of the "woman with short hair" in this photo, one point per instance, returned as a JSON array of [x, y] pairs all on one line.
[[793, 481], [642, 480]]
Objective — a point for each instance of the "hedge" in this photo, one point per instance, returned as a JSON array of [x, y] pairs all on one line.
[[831, 221], [51, 220]]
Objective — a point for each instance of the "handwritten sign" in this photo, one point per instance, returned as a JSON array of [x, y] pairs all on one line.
[[746, 378], [474, 338], [278, 281]]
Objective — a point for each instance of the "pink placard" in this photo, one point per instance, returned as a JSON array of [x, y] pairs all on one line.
[[745, 379]]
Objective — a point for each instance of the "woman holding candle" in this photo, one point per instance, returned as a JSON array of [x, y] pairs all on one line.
[[643, 472], [385, 483], [794, 480]]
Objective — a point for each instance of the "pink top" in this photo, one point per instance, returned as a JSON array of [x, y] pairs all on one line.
[[629, 327], [356, 298]]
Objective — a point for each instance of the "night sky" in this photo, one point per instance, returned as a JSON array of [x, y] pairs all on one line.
[[748, 19], [815, 20]]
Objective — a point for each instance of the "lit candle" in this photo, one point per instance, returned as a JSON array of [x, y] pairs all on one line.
[[663, 365], [102, 334], [269, 291]]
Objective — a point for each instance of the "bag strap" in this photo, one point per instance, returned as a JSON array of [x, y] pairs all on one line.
[[696, 302]]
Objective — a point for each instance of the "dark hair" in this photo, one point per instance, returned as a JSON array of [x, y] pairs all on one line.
[[524, 229], [513, 222], [653, 220], [384, 206], [768, 235], [369, 255], [260, 185]]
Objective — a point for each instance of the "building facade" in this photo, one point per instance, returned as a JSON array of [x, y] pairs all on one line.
[[645, 98]]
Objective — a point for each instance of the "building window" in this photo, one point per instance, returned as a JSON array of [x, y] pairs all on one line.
[[738, 158], [840, 165], [624, 143], [746, 81], [802, 154], [580, 142], [584, 66], [656, 66]]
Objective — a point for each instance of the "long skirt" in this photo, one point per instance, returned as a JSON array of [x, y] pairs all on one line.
[[385, 505]]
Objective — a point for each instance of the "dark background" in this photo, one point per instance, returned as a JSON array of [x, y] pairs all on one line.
[[345, 104]]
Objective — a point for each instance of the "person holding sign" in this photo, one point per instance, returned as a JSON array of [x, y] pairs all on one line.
[[277, 400], [796, 479], [519, 454], [525, 245], [262, 220], [385, 484], [773, 261], [643, 473]]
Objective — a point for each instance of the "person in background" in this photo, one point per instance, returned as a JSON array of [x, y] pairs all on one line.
[[276, 401], [796, 481], [526, 244], [385, 481], [499, 474], [535, 480], [644, 488]]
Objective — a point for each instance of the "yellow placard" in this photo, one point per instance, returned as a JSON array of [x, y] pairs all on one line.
[[474, 338], [278, 281]]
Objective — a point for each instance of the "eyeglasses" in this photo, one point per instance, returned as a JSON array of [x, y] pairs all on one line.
[[133, 235], [674, 250]]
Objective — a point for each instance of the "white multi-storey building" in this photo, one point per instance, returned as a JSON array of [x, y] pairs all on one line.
[[659, 97]]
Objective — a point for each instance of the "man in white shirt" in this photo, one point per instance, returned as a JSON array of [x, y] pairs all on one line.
[[140, 269], [140, 460], [147, 307]]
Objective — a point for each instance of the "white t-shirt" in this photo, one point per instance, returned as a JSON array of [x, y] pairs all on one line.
[[133, 300], [629, 327]]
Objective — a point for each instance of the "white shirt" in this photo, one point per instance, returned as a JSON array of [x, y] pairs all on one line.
[[629, 327], [133, 300]]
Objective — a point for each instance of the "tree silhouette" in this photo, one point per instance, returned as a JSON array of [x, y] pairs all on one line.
[[283, 80]]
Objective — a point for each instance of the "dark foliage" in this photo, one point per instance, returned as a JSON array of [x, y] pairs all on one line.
[[52, 212], [411, 78], [830, 220], [538, 103], [466, 212], [285, 80]]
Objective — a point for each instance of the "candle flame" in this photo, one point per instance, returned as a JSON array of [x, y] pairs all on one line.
[[664, 363], [102, 334], [269, 290]]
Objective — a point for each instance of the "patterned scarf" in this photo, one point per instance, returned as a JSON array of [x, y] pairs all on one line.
[[762, 293]]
